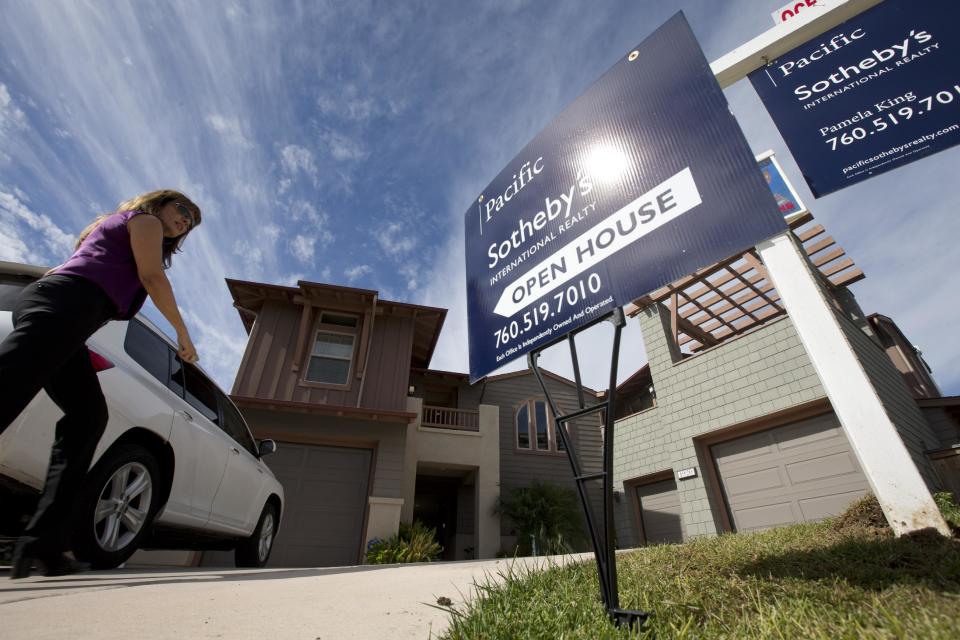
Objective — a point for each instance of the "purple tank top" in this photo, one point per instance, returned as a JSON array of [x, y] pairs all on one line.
[[106, 258]]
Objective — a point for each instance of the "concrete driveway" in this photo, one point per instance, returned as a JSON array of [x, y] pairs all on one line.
[[307, 604]]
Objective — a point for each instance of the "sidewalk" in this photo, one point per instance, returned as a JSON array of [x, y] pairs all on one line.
[[308, 604]]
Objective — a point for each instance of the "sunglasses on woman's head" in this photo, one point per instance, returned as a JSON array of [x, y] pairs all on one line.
[[186, 213]]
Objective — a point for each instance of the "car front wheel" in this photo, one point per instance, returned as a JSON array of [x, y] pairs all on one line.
[[116, 506], [255, 550]]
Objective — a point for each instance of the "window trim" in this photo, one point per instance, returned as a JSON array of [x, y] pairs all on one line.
[[305, 365], [552, 438]]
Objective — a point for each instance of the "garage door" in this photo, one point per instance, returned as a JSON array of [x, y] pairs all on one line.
[[326, 496], [660, 511], [799, 472]]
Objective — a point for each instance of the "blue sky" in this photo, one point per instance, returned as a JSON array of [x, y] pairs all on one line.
[[342, 142]]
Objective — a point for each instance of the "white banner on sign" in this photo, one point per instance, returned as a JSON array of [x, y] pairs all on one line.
[[791, 9], [662, 204]]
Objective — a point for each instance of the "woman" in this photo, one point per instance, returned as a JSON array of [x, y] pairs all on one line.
[[119, 260]]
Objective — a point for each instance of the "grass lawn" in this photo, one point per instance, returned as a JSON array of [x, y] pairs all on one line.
[[843, 578]]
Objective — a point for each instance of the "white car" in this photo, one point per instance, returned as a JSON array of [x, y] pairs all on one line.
[[176, 467]]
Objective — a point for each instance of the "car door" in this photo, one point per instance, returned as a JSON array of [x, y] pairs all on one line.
[[240, 498], [199, 444]]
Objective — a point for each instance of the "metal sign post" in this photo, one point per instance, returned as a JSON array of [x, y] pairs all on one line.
[[601, 535]]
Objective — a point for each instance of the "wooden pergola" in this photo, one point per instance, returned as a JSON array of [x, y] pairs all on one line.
[[731, 297]]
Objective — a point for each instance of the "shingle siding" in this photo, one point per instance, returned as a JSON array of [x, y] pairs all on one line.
[[943, 426], [747, 377], [756, 374], [894, 395]]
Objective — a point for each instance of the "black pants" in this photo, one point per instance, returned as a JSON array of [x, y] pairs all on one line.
[[52, 320]]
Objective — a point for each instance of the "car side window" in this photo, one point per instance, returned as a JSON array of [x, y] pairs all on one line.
[[201, 393], [148, 349], [235, 426], [176, 374]]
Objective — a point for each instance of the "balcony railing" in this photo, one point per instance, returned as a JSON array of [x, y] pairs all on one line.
[[445, 418]]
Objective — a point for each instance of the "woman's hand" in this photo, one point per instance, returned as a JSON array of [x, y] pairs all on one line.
[[186, 351], [146, 241]]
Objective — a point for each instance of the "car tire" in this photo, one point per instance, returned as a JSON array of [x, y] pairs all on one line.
[[116, 506], [255, 550]]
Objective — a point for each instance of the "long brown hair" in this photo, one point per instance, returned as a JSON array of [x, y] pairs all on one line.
[[151, 203]]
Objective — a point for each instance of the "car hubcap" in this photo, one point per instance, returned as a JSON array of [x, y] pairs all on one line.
[[123, 505], [266, 537]]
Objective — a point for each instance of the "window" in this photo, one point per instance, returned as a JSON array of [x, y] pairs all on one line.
[[235, 426], [523, 427], [201, 393], [535, 428], [149, 350], [339, 319], [176, 374], [330, 358]]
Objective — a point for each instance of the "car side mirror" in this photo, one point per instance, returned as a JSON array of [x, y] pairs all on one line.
[[266, 447]]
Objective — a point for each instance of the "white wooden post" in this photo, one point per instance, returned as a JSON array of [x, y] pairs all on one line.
[[890, 470], [775, 42]]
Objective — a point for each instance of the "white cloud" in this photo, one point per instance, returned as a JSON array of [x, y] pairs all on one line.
[[271, 232], [303, 210], [302, 248], [220, 347], [230, 130], [354, 273], [251, 256], [348, 104], [356, 109], [411, 272], [19, 227], [11, 117], [343, 147], [290, 279], [394, 241], [317, 221], [296, 159]]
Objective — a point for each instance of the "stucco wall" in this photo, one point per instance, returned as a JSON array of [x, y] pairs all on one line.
[[472, 451]]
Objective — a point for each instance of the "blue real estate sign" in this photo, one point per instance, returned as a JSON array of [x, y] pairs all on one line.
[[643, 179], [877, 92]]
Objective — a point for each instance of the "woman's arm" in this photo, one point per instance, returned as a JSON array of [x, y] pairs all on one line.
[[146, 240]]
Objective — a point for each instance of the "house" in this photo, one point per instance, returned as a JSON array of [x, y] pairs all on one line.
[[368, 436], [728, 427]]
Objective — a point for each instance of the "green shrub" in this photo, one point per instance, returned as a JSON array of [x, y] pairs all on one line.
[[414, 543], [948, 508], [545, 516]]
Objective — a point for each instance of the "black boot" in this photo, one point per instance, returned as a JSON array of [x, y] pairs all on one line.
[[28, 553], [62, 565]]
